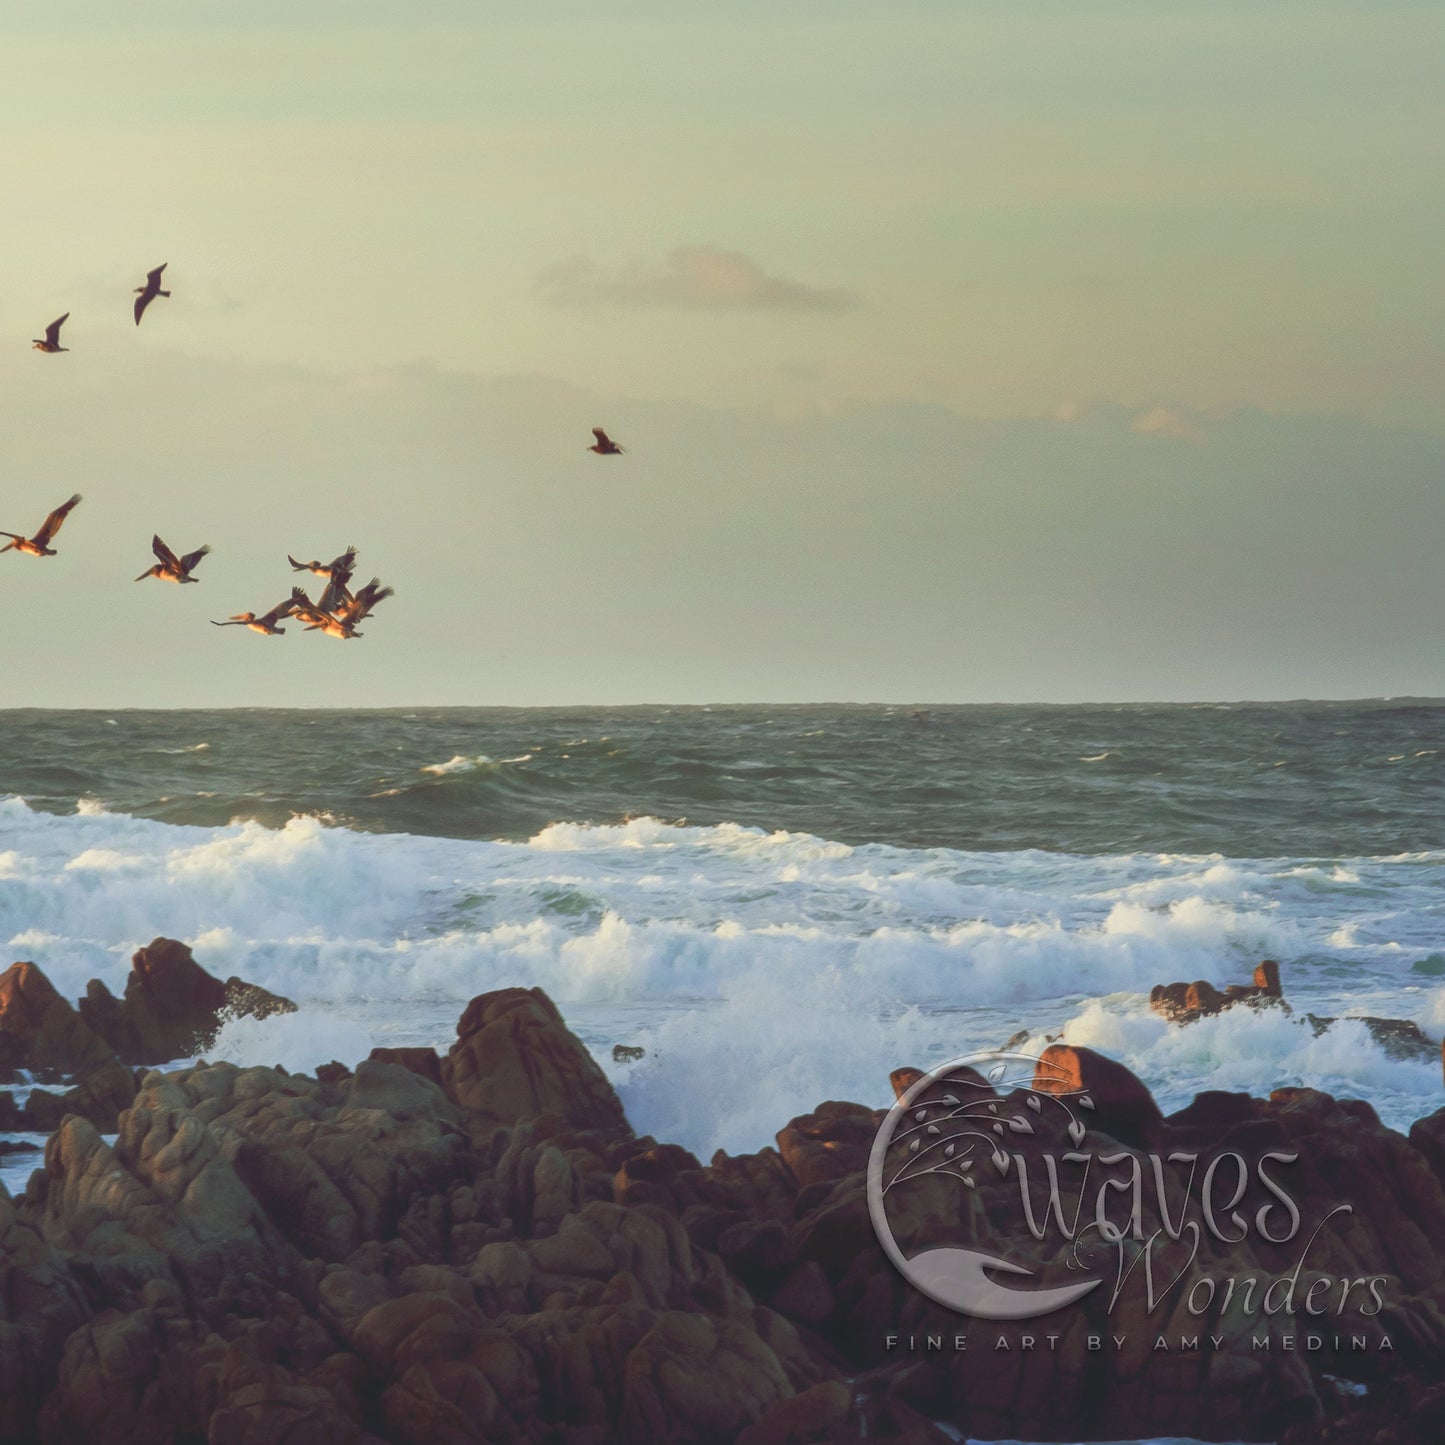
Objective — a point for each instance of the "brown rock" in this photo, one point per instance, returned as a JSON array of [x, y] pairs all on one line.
[[515, 1058], [172, 1007], [419, 1061], [40, 1031], [1122, 1105], [821, 1412], [832, 1141]]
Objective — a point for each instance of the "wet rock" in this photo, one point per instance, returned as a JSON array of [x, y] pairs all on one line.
[[172, 1007], [1183, 1003], [41, 1032]]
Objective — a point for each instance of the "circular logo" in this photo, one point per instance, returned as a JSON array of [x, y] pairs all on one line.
[[954, 1123]]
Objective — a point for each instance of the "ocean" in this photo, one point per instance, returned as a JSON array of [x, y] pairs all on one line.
[[779, 905]]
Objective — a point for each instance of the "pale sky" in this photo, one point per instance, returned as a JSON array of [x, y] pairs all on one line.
[[963, 351]]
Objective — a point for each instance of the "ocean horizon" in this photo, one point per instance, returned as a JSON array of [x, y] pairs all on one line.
[[797, 898]]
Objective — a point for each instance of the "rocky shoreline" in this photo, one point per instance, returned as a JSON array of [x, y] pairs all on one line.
[[478, 1247]]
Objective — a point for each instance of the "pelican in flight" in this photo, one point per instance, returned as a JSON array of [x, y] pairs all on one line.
[[353, 608], [337, 571], [144, 295], [169, 567], [604, 446], [39, 544], [318, 621], [265, 624], [52, 336]]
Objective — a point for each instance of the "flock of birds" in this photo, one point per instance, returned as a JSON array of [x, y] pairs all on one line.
[[334, 614]]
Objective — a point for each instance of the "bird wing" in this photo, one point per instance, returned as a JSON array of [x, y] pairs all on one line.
[[52, 332], [334, 598], [191, 558], [280, 610], [164, 555], [51, 525], [141, 302], [153, 278], [602, 438], [305, 608], [346, 562]]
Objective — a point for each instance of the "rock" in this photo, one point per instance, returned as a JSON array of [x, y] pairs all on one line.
[[1122, 1105], [1399, 1038], [41, 1032], [833, 1141], [423, 1062], [1183, 1003], [627, 1053], [821, 1412], [172, 1007], [515, 1058]]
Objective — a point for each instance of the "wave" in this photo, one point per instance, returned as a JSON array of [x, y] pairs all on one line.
[[793, 967]]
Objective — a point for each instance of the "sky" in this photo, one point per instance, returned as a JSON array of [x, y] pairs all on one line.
[[962, 351]]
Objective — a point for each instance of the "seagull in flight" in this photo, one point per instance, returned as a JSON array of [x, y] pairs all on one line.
[[604, 446], [169, 567], [39, 544], [52, 336], [144, 295], [265, 624]]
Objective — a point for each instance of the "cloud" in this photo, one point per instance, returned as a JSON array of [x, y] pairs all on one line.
[[1169, 422], [691, 278]]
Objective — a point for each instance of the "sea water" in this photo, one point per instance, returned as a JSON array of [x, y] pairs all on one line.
[[779, 905]]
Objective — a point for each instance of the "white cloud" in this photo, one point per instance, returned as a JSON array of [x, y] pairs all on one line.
[[692, 278]]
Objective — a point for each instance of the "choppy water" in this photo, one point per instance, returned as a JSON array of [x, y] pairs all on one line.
[[781, 904]]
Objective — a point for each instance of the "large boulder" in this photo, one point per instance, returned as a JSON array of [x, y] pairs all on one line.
[[515, 1058]]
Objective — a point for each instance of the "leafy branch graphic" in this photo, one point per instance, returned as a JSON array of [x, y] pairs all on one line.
[[936, 1140]]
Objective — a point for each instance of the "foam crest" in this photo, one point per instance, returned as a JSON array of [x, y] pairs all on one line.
[[764, 971]]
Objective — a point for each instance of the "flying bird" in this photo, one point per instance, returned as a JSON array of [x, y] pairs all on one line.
[[169, 567], [144, 295], [39, 544], [318, 621], [337, 571], [52, 336], [353, 608], [265, 624], [604, 445]]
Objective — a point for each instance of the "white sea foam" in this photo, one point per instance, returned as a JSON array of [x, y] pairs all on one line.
[[457, 764], [763, 972]]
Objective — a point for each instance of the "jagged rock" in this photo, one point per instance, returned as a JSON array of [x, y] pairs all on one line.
[[1185, 1002], [268, 1259], [41, 1032], [514, 1058], [1399, 1038], [172, 1007], [41, 1305]]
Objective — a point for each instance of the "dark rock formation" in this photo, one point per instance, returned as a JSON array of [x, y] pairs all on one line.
[[41, 1032], [172, 1007], [480, 1249], [1185, 1003]]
